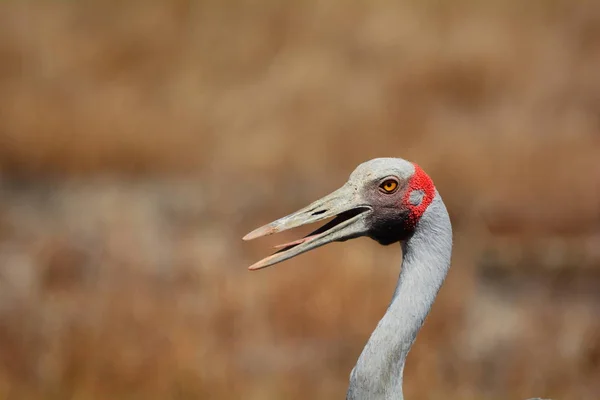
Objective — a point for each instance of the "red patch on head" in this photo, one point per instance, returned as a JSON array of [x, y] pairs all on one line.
[[419, 181]]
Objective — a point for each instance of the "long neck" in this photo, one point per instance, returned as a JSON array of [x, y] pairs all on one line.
[[426, 260]]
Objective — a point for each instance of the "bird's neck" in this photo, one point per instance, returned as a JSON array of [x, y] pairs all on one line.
[[426, 260]]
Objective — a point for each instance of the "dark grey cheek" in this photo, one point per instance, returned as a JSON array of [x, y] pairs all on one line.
[[389, 225], [382, 201], [388, 222]]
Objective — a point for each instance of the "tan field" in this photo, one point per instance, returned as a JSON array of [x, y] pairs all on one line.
[[139, 141]]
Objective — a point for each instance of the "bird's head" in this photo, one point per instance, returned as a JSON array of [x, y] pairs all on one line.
[[383, 199]]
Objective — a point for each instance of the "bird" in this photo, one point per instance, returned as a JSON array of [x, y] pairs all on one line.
[[390, 200]]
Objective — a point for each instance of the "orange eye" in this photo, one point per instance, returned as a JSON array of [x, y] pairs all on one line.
[[389, 185]]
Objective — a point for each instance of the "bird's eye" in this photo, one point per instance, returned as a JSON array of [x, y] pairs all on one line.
[[389, 186]]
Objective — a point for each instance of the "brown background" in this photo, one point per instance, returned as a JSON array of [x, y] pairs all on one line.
[[139, 141]]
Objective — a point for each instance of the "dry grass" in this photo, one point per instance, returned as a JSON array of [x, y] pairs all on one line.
[[140, 141]]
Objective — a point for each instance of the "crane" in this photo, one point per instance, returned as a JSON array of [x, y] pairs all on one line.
[[389, 200]]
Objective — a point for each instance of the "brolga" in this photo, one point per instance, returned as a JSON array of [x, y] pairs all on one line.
[[389, 200]]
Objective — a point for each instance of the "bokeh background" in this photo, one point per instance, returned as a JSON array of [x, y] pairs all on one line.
[[140, 140]]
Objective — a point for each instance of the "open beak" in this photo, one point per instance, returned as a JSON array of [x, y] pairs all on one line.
[[350, 222]]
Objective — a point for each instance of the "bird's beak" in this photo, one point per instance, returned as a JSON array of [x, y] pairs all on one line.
[[350, 222]]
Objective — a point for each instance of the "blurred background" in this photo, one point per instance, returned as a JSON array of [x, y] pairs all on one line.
[[140, 140]]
